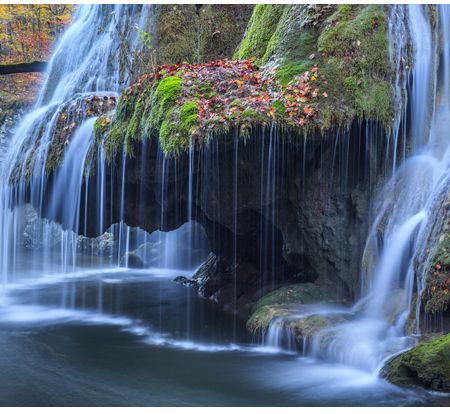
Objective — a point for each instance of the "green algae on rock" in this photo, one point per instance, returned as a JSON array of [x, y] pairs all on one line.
[[427, 365]]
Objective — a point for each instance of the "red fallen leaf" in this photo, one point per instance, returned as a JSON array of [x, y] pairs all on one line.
[[325, 95], [309, 111], [438, 266]]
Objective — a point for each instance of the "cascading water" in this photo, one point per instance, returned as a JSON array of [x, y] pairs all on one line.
[[90, 66], [407, 208]]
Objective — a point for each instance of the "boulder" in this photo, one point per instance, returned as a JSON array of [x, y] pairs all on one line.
[[132, 261], [426, 365]]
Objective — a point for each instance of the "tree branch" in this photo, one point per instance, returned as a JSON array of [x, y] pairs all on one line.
[[23, 68]]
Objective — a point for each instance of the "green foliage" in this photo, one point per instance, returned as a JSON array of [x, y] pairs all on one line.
[[260, 29]]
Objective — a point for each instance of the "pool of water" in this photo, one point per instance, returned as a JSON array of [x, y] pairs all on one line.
[[134, 338]]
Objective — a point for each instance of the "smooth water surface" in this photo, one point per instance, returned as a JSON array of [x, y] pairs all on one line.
[[123, 337]]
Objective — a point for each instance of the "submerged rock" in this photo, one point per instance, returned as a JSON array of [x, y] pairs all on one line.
[[103, 245], [300, 293], [291, 302], [185, 281], [301, 321], [426, 365], [132, 261]]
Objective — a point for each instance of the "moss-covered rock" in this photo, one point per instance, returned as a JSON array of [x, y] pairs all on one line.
[[198, 33], [323, 66], [67, 119], [302, 321], [261, 318], [181, 104], [436, 296], [284, 301], [261, 28], [348, 42], [427, 365], [301, 293]]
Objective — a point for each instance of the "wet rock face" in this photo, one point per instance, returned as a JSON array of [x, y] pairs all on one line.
[[132, 260], [10, 115], [426, 365], [69, 117], [275, 209], [203, 32]]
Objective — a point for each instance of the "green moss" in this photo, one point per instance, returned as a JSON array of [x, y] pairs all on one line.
[[303, 293], [177, 128], [442, 255], [374, 101], [299, 57], [133, 128], [101, 126], [280, 109], [427, 364], [115, 139], [249, 114], [260, 29], [262, 317], [162, 100], [355, 42], [124, 127]]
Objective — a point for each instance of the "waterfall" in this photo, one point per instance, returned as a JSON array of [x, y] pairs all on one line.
[[87, 69], [85, 74], [408, 210]]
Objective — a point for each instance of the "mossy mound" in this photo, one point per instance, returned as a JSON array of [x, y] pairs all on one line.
[[301, 293], [427, 365], [348, 42], [184, 104], [323, 66], [278, 303], [261, 318], [436, 296]]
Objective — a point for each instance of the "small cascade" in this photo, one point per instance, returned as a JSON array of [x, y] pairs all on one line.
[[280, 336]]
